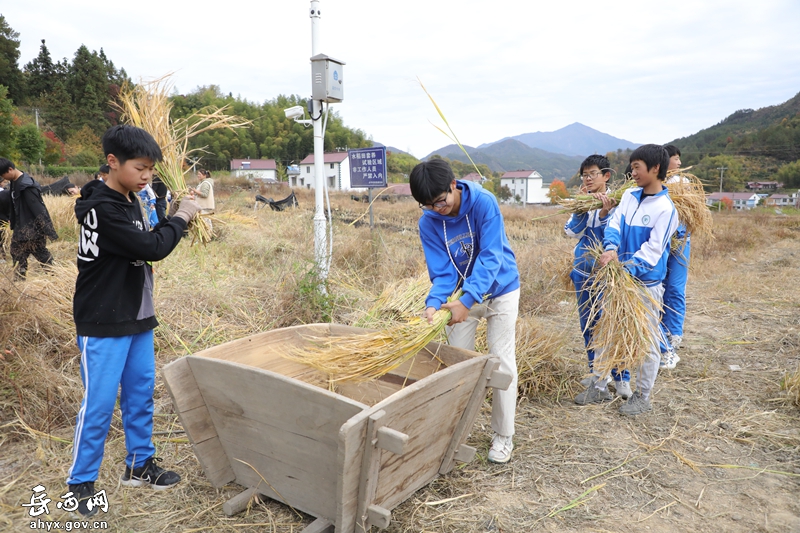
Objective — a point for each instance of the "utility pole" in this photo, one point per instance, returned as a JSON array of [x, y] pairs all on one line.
[[320, 236], [36, 110], [721, 172]]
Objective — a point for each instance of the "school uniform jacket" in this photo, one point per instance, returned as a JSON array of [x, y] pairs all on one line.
[[640, 230], [478, 250], [588, 228], [114, 289]]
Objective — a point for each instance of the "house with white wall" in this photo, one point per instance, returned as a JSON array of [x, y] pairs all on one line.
[[255, 169], [741, 200], [528, 185], [337, 172]]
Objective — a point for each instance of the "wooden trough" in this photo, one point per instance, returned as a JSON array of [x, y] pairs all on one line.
[[347, 457]]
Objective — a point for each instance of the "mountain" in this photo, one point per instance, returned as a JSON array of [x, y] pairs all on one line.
[[574, 140], [770, 131], [390, 148], [510, 154]]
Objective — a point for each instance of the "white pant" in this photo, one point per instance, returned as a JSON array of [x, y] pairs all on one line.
[[648, 370], [501, 320]]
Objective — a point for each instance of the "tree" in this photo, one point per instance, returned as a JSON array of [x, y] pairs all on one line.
[[10, 74], [504, 194], [7, 131], [30, 143], [87, 85], [58, 111], [558, 191], [727, 202], [54, 151], [41, 73], [83, 148]]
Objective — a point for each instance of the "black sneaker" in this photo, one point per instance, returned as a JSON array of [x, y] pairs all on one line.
[[84, 492], [150, 474]]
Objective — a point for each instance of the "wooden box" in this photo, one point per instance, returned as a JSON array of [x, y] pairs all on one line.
[[347, 458]]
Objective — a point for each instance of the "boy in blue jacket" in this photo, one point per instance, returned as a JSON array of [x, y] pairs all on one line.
[[639, 234], [589, 228], [114, 313], [675, 282], [465, 244]]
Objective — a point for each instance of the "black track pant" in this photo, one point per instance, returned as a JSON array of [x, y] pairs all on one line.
[[20, 250]]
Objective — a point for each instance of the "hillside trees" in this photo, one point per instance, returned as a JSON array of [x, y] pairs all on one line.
[[30, 143], [8, 132], [10, 74]]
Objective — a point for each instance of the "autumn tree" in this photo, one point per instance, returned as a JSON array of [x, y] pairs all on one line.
[[558, 191]]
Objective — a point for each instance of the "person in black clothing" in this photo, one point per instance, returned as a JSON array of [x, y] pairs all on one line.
[[30, 221], [160, 188], [5, 210], [115, 316]]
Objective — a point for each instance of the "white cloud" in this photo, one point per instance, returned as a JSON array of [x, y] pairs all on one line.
[[642, 71]]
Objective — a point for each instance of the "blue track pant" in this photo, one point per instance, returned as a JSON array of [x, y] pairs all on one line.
[[581, 283], [108, 363], [675, 290]]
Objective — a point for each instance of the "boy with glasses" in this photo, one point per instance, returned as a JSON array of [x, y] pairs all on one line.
[[588, 228], [464, 239]]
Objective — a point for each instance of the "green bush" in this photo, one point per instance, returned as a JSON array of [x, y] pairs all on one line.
[[56, 171]]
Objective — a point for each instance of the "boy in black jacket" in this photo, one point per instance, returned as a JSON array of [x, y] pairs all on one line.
[[114, 314], [30, 221]]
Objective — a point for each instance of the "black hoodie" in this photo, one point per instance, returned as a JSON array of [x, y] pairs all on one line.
[[114, 289], [29, 216]]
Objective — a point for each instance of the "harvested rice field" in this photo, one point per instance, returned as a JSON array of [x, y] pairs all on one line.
[[719, 452]]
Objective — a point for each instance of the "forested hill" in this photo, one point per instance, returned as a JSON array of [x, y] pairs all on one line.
[[766, 131]]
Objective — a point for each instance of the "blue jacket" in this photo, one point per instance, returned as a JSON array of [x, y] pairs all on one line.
[[589, 228], [640, 230], [478, 233]]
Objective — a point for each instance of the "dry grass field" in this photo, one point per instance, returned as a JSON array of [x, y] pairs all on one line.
[[719, 452]]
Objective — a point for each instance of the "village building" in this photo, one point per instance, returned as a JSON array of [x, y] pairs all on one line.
[[763, 185], [741, 200], [255, 169], [337, 172], [526, 186]]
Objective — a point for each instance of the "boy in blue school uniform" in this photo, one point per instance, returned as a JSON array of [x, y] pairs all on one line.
[[639, 234], [464, 239], [675, 281], [114, 313], [589, 228]]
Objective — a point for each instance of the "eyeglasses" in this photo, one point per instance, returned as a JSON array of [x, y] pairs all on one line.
[[435, 205], [593, 174]]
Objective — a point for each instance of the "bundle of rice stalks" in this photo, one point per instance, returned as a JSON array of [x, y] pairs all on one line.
[[689, 197], [147, 106], [5, 237], [400, 301], [368, 356], [627, 317], [62, 213], [791, 384], [586, 202]]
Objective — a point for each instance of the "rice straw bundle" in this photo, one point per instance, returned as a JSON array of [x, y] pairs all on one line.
[[627, 326], [367, 356], [147, 106], [5, 236], [689, 197], [791, 384], [586, 202], [399, 302]]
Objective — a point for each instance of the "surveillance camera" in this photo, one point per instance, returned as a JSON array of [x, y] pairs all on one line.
[[294, 112]]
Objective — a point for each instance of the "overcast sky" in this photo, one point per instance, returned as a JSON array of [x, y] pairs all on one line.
[[638, 70]]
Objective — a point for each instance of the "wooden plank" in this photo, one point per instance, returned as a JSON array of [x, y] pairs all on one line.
[[273, 399], [320, 525], [181, 385], [239, 503], [428, 412], [370, 466], [212, 457], [352, 437], [315, 459], [379, 517], [276, 480], [367, 393], [465, 454], [469, 415], [196, 420], [499, 380], [392, 441]]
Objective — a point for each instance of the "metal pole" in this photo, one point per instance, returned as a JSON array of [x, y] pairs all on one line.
[[36, 109], [371, 221], [721, 172], [320, 234]]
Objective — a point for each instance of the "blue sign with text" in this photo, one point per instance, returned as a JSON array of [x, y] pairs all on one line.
[[368, 167]]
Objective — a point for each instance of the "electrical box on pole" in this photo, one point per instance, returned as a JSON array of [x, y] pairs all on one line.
[[327, 81]]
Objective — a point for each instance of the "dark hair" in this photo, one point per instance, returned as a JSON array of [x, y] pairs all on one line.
[[129, 142], [5, 165], [672, 150], [652, 155], [430, 179], [204, 172], [104, 169], [600, 161]]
